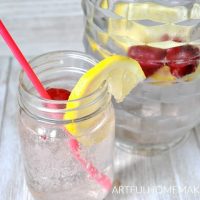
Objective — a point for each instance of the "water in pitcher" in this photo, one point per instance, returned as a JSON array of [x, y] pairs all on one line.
[[163, 36]]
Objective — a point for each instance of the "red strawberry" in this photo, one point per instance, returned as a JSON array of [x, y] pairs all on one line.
[[150, 58], [182, 60], [58, 93]]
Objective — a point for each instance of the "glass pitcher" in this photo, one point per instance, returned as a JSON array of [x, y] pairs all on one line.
[[164, 37]]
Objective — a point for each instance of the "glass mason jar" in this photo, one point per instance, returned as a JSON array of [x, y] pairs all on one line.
[[58, 165], [164, 37]]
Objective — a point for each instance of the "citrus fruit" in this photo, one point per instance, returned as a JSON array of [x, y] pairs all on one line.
[[121, 75], [163, 76], [151, 11]]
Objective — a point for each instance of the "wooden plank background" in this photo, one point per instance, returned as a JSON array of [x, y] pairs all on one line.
[[40, 26]]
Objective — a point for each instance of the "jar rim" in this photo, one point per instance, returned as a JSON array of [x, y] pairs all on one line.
[[37, 103], [67, 52]]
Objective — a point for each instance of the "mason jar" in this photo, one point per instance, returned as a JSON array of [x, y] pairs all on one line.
[[59, 165], [163, 36]]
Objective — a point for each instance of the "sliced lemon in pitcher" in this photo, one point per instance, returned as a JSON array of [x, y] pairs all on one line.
[[121, 75], [151, 11], [104, 4], [163, 76]]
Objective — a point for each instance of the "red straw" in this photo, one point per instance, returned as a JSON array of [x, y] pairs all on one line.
[[100, 178]]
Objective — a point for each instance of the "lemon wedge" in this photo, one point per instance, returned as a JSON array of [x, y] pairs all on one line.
[[121, 75], [163, 76]]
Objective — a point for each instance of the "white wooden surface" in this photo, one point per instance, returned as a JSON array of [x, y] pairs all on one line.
[[43, 25], [47, 25]]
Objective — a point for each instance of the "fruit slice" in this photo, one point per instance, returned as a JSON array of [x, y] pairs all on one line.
[[151, 11], [96, 48], [104, 4], [183, 60], [150, 58], [121, 73], [163, 75], [129, 70], [123, 43], [131, 29], [58, 93]]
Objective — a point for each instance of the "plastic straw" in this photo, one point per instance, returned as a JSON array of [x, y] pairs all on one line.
[[99, 177]]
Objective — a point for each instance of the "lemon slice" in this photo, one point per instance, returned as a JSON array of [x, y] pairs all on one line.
[[131, 29], [104, 4], [103, 53], [124, 43], [163, 76], [151, 11], [121, 73]]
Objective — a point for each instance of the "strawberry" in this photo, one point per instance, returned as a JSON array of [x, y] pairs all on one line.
[[58, 93], [182, 60], [150, 58]]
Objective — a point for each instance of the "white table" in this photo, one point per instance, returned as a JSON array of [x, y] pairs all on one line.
[[176, 168], [174, 174]]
